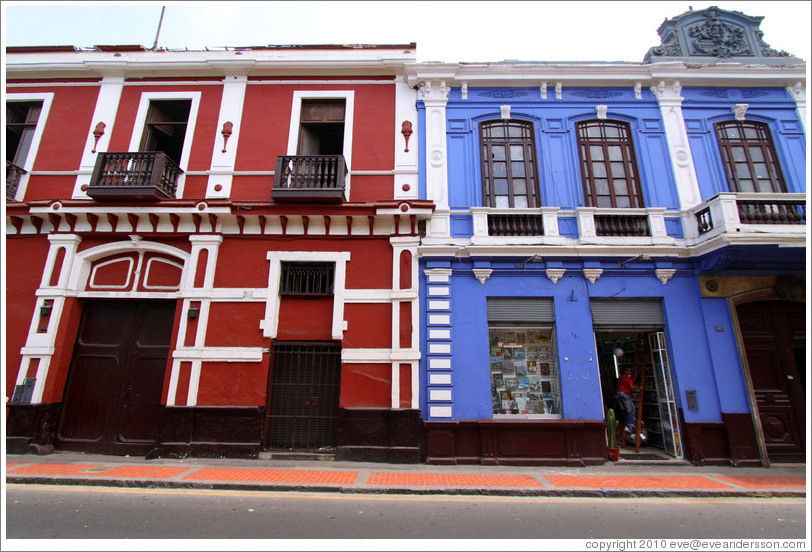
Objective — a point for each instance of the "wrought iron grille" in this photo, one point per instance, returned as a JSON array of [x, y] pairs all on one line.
[[13, 176], [307, 279], [303, 398], [622, 225], [515, 225], [771, 212]]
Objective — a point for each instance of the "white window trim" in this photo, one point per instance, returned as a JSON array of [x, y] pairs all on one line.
[[141, 119], [270, 325], [47, 99], [349, 107]]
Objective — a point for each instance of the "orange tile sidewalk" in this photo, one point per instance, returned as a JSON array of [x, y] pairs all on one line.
[[541, 480]]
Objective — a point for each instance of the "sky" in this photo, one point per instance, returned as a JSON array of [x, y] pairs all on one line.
[[455, 31]]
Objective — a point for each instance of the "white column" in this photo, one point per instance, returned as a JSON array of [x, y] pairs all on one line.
[[670, 100], [228, 124], [105, 113], [406, 162], [435, 98], [798, 93]]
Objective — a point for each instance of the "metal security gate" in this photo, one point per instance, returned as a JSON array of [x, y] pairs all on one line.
[[303, 397]]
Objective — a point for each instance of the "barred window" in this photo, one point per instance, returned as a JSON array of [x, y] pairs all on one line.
[[307, 279], [749, 158], [509, 164], [608, 164]]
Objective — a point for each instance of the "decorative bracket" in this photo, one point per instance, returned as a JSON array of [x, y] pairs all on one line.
[[555, 274], [98, 132], [558, 91], [592, 274], [601, 111], [543, 90], [482, 274], [228, 127], [406, 131], [665, 274], [638, 91], [464, 91]]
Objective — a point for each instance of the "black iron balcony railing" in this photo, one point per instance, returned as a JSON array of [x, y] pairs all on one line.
[[771, 211], [515, 225], [309, 178], [622, 225], [148, 175], [13, 176]]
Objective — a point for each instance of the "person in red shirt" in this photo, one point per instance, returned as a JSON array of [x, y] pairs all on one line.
[[625, 387]]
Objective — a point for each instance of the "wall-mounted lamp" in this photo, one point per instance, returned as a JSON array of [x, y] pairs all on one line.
[[193, 312]]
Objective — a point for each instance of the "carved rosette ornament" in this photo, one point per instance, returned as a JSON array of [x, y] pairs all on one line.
[[98, 132], [228, 128], [406, 131]]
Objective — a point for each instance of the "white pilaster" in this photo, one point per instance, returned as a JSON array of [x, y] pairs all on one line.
[[406, 162], [225, 150], [105, 112], [670, 101], [798, 93], [435, 99]]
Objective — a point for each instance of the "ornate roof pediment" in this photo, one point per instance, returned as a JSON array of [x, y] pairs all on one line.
[[714, 34]]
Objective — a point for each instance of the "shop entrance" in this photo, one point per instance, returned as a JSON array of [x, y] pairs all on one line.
[[774, 337], [645, 352], [302, 409], [112, 399]]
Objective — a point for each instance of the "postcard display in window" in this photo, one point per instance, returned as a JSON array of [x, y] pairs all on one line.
[[524, 371]]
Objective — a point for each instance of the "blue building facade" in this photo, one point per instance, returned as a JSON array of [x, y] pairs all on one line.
[[597, 216]]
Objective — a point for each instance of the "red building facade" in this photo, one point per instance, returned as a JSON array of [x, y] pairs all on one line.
[[213, 253]]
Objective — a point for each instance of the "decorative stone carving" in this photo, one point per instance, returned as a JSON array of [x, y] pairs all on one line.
[[664, 274], [505, 111], [482, 274], [228, 128], [464, 91], [597, 93], [406, 131], [558, 90], [98, 132], [504, 93], [715, 33], [555, 274], [592, 274], [638, 91], [543, 90], [739, 110], [601, 111]]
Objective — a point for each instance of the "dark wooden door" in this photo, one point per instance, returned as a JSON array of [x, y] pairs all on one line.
[[774, 335], [112, 397], [303, 396]]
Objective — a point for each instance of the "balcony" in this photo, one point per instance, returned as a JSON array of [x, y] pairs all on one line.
[[746, 214], [309, 179], [149, 175], [13, 176]]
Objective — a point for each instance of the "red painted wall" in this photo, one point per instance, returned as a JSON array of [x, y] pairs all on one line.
[[366, 385], [233, 384]]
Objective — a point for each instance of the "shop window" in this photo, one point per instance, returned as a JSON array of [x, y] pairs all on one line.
[[312, 279], [165, 127], [608, 165], [524, 371], [321, 130], [509, 174], [749, 158]]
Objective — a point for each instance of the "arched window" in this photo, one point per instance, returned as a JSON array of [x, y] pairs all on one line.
[[509, 175], [749, 158], [608, 164]]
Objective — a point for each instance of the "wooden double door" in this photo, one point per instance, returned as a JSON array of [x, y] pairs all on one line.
[[112, 398], [774, 336]]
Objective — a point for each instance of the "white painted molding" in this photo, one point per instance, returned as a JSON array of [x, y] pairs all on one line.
[[224, 153], [798, 93], [47, 99]]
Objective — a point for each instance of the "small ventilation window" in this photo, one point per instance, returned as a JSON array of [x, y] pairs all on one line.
[[307, 279]]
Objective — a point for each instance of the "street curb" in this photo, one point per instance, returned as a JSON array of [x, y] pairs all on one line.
[[424, 491]]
